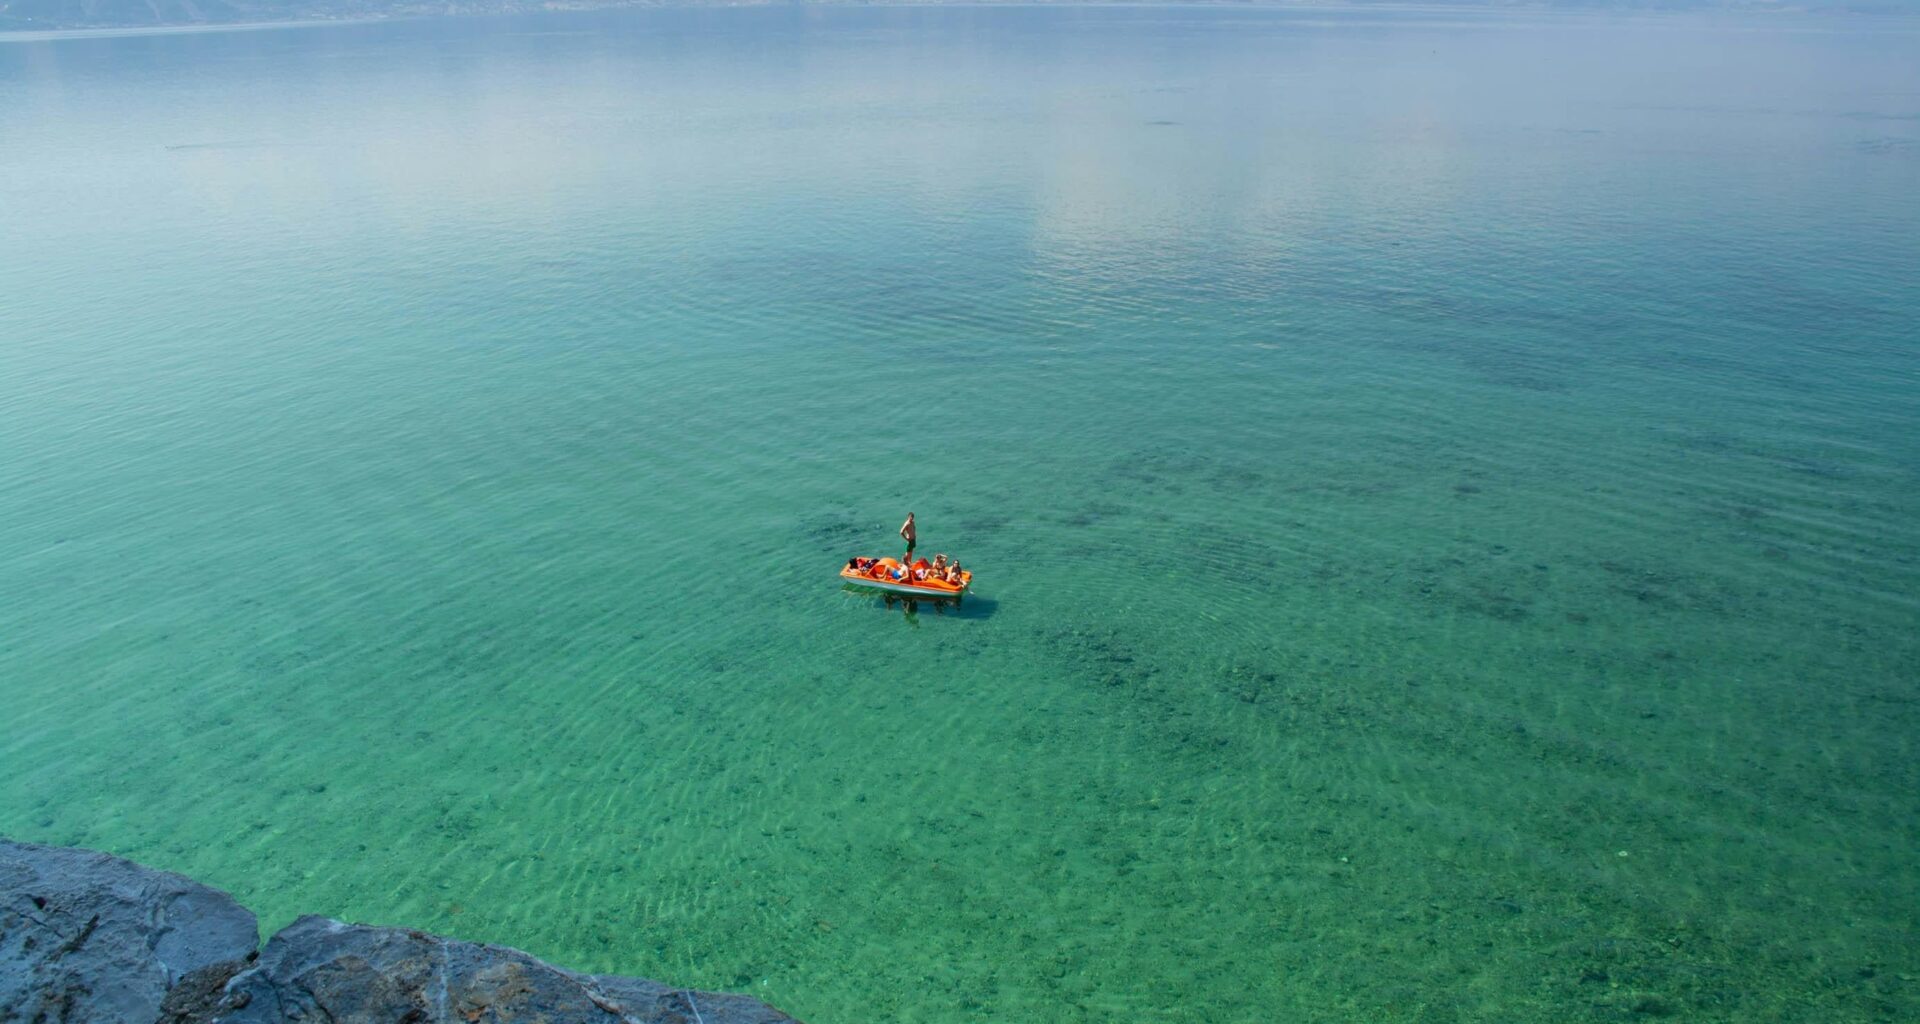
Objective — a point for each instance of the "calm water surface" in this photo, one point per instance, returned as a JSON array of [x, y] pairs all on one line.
[[1445, 493]]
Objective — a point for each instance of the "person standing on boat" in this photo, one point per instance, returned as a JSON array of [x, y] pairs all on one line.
[[910, 534]]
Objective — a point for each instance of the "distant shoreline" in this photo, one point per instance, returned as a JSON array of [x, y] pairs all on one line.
[[16, 29], [28, 35]]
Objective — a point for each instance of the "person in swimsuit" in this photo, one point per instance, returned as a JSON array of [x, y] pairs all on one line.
[[910, 535]]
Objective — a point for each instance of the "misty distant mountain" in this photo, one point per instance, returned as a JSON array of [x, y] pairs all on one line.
[[48, 14]]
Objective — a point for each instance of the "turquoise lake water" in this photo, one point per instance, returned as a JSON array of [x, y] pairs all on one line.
[[1444, 492]]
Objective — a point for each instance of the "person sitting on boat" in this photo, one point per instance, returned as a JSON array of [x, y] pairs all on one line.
[[939, 566], [953, 572], [901, 573]]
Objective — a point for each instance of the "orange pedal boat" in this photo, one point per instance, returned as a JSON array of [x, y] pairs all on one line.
[[879, 576]]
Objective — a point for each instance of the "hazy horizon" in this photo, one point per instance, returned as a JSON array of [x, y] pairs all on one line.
[[31, 15]]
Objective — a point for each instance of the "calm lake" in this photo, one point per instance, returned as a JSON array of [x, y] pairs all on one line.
[[1444, 494]]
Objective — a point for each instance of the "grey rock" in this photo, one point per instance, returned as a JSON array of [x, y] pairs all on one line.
[[318, 969], [85, 937]]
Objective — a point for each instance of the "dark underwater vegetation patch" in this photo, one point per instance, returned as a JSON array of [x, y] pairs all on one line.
[[1159, 465], [983, 525], [1091, 514], [1888, 144]]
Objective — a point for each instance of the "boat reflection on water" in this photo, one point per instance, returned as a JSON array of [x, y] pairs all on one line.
[[967, 606], [910, 606]]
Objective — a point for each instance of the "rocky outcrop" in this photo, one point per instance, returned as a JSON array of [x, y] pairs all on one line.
[[88, 937], [85, 937], [320, 969]]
